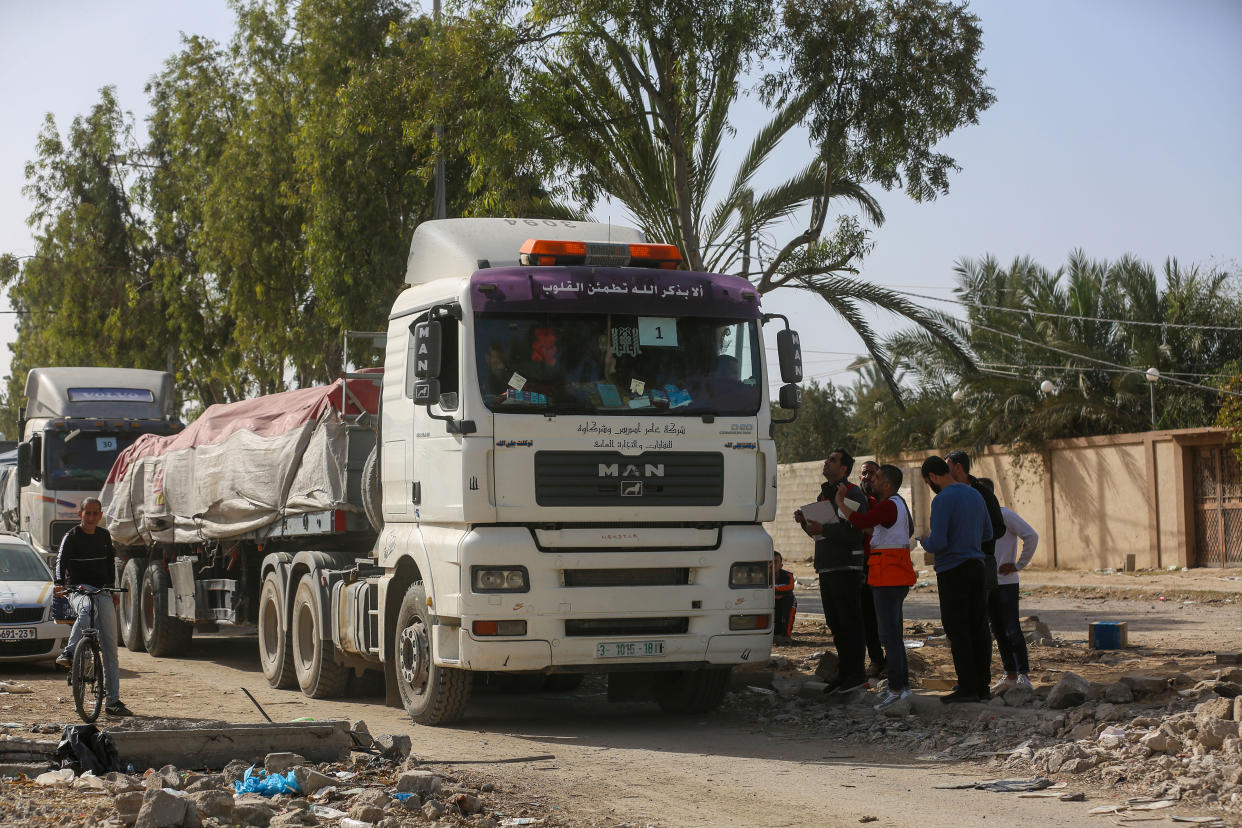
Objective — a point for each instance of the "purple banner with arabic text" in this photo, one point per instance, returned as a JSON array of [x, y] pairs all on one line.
[[620, 290]]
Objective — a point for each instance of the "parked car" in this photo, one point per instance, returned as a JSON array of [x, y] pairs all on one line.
[[27, 631]]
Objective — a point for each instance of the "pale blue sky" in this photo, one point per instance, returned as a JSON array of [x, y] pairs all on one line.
[[1117, 129]]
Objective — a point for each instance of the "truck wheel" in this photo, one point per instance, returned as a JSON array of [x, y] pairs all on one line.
[[275, 649], [162, 634], [131, 599], [319, 675], [431, 695], [692, 691], [371, 503]]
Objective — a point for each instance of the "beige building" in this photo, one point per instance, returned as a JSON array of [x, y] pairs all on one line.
[[1169, 498]]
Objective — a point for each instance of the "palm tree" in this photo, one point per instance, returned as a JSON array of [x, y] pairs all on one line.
[[1091, 329], [644, 110]]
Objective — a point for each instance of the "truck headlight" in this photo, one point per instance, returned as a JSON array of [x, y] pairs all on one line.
[[749, 575], [749, 622], [499, 579]]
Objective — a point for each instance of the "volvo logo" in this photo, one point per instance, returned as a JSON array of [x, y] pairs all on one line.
[[630, 470]]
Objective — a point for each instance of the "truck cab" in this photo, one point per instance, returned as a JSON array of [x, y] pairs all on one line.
[[75, 423], [575, 463]]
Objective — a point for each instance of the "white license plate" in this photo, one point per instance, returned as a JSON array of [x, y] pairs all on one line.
[[17, 634], [629, 649]]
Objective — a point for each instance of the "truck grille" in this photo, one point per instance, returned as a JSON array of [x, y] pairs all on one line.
[[654, 576], [609, 478], [626, 626]]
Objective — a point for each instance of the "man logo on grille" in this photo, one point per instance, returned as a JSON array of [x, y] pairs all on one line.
[[632, 488], [630, 470]]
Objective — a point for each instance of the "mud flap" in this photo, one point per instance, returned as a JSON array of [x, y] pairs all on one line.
[[181, 573]]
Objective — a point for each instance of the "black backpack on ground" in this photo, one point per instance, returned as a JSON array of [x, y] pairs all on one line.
[[85, 748]]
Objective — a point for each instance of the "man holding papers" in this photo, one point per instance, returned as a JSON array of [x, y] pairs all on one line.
[[839, 562]]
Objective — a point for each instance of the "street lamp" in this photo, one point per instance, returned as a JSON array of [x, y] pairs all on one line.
[[1153, 376]]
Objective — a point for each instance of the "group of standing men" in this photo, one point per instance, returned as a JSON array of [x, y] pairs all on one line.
[[865, 572]]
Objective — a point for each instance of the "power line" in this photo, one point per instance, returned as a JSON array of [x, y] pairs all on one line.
[[1105, 370], [1122, 368], [1174, 325]]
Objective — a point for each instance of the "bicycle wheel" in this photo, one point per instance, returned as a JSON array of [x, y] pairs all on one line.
[[87, 679]]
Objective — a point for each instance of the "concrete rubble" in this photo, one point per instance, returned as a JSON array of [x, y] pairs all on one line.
[[380, 785], [1174, 739]]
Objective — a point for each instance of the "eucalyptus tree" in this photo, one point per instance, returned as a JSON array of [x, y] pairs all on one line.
[[86, 296]]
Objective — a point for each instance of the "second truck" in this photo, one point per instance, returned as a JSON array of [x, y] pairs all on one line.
[[563, 468]]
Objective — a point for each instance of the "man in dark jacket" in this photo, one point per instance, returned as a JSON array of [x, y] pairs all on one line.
[[839, 560], [87, 558]]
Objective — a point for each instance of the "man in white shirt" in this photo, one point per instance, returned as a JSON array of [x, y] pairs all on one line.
[[1003, 601]]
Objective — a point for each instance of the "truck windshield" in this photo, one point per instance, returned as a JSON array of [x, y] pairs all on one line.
[[606, 363], [81, 460]]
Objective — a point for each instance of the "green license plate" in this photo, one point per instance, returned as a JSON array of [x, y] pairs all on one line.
[[629, 649]]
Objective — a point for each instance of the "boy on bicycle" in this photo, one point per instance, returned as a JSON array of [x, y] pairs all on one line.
[[87, 558]]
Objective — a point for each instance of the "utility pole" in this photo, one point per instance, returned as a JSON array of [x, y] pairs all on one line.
[[441, 208]]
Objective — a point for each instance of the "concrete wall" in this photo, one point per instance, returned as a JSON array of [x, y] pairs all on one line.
[[1092, 500]]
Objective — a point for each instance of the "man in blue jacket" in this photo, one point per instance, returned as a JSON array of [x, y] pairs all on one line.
[[959, 526]]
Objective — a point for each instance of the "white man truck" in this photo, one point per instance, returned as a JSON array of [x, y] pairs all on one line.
[[75, 423], [564, 470]]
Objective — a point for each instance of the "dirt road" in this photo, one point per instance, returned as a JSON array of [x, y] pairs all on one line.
[[602, 764], [599, 763]]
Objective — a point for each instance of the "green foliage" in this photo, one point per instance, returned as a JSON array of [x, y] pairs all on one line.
[[1026, 326], [272, 206], [639, 98], [825, 421], [86, 296], [1230, 413]]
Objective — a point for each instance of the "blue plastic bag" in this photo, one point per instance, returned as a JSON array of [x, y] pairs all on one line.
[[266, 784]]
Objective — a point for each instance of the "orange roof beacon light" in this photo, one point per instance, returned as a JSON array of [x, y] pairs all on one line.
[[602, 254]]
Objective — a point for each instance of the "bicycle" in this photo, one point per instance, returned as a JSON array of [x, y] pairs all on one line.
[[86, 673]]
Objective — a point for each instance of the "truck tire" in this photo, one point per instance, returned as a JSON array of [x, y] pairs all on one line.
[[275, 648], [131, 600], [162, 634], [371, 503], [319, 675], [692, 691], [431, 695]]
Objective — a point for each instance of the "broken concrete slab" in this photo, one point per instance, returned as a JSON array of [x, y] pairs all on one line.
[[1146, 686], [214, 747], [1070, 691]]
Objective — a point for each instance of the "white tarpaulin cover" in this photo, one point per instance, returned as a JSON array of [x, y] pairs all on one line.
[[235, 469]]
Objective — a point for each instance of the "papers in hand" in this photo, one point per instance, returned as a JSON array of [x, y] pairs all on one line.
[[821, 511]]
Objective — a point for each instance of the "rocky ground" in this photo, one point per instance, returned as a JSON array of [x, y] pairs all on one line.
[[381, 785], [1148, 733]]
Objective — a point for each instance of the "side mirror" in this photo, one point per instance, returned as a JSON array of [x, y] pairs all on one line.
[[23, 464], [790, 397], [36, 456], [426, 352], [426, 391], [789, 352]]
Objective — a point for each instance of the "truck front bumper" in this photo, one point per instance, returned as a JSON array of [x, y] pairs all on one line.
[[609, 628]]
